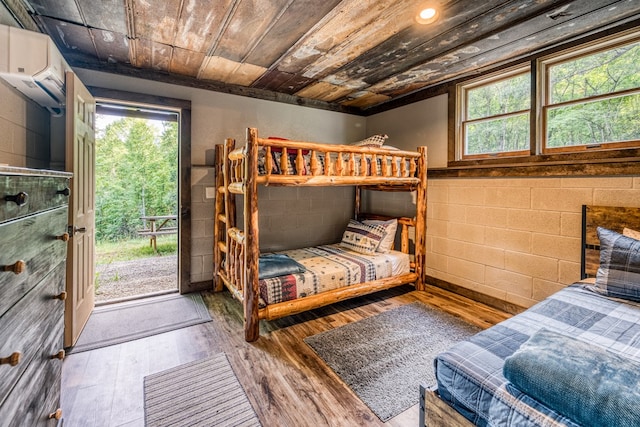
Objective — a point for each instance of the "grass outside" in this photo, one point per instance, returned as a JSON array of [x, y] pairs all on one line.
[[127, 250]]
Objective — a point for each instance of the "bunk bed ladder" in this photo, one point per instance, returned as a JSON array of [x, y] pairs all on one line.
[[225, 214]]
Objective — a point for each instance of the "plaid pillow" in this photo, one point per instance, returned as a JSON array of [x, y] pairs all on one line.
[[362, 238], [372, 141], [619, 272]]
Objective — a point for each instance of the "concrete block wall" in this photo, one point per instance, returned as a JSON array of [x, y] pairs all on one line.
[[202, 207], [298, 217], [24, 130], [516, 239]]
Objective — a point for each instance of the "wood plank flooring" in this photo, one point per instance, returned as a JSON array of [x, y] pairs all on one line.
[[287, 384]]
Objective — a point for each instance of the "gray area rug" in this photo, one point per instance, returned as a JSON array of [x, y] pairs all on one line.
[[118, 323], [204, 393], [385, 358]]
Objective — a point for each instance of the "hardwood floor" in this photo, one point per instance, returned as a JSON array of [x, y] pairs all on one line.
[[287, 384]]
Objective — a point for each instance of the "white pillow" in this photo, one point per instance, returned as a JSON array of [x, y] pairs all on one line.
[[389, 238]]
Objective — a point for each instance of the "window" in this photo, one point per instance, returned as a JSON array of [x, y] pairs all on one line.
[[495, 115], [592, 99], [587, 98]]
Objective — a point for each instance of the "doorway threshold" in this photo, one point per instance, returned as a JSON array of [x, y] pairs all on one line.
[[135, 297]]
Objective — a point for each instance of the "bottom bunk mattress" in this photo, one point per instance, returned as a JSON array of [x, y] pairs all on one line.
[[330, 267], [470, 374]]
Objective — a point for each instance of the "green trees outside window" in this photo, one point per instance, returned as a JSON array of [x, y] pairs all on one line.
[[496, 119], [594, 99], [136, 175], [586, 98]]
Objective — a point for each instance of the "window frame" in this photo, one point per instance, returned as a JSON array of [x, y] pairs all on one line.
[[462, 93], [543, 76], [535, 158]]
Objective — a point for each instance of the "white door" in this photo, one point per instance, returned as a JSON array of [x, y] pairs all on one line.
[[80, 160]]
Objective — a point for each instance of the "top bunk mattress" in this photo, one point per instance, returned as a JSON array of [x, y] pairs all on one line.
[[330, 267], [470, 377]]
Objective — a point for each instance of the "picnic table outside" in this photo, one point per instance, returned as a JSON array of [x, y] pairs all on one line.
[[157, 225]]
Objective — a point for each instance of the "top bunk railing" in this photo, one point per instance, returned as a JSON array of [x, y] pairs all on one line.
[[315, 164]]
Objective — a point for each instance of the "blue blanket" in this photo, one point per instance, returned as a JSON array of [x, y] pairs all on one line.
[[274, 265], [583, 382]]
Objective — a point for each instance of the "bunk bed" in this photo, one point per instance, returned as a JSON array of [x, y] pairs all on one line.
[[277, 162]]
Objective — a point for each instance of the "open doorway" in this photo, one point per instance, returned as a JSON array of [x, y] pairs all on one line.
[[137, 201]]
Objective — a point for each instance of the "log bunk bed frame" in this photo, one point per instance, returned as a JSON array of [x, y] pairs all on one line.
[[236, 250]]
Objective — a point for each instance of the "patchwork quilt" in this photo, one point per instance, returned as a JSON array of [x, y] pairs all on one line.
[[330, 267]]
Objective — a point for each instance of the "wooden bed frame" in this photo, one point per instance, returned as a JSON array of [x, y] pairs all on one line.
[[236, 251], [435, 412]]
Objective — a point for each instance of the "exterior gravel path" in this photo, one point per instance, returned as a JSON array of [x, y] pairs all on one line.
[[124, 279]]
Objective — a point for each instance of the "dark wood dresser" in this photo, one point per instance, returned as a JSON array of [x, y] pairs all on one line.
[[33, 249]]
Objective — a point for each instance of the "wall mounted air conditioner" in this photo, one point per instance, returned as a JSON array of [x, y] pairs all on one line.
[[31, 63]]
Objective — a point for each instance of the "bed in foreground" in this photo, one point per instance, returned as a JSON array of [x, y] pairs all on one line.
[[570, 360]]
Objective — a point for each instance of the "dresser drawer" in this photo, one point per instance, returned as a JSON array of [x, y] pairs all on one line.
[[32, 240], [42, 193], [25, 325], [37, 393]]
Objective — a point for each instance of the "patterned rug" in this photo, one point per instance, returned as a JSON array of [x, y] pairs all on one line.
[[385, 358], [127, 321], [204, 393]]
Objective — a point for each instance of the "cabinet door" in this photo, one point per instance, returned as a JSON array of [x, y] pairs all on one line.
[[25, 327], [36, 396], [37, 242]]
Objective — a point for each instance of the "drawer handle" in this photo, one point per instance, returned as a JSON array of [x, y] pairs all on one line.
[[12, 360], [56, 415], [18, 267], [64, 192], [59, 355], [19, 199], [61, 296], [64, 237]]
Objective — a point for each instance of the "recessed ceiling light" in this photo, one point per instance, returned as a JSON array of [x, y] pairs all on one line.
[[427, 15]]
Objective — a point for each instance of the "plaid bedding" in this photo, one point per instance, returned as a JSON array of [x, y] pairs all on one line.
[[470, 376], [328, 267]]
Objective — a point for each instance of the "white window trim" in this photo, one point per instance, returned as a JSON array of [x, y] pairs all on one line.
[[461, 106]]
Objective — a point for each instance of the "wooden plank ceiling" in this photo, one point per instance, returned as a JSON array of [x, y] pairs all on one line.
[[349, 55]]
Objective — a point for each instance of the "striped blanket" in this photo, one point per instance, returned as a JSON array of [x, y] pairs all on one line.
[[330, 267], [470, 373]]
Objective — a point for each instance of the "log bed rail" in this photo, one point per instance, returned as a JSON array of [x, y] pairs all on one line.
[[236, 251], [329, 164]]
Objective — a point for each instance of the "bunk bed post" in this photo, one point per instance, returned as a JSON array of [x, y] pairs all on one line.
[[218, 223], [229, 199], [421, 219], [357, 203], [252, 248]]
